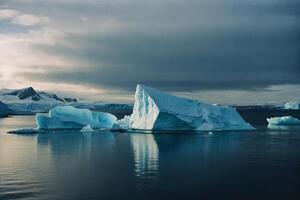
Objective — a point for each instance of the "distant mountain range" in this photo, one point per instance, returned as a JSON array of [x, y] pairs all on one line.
[[30, 94], [30, 101]]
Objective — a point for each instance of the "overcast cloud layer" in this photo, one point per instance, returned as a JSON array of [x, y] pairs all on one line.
[[188, 47]]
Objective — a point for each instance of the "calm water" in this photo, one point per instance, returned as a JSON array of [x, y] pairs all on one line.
[[260, 164]]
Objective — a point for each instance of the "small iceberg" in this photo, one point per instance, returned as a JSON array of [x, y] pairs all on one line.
[[292, 105], [156, 110], [123, 124], [87, 129], [286, 120], [69, 117]]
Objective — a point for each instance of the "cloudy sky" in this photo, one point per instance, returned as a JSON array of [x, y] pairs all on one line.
[[227, 51]]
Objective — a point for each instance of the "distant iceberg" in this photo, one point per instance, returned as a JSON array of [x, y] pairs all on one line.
[[156, 110], [293, 105], [68, 117], [286, 120]]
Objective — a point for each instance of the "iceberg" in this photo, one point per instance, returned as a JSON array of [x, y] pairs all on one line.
[[286, 120], [44, 122], [123, 124], [69, 117], [84, 117], [293, 105], [153, 110], [87, 129], [156, 110]]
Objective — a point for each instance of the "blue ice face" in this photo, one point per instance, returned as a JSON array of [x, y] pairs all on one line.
[[68, 117], [156, 110]]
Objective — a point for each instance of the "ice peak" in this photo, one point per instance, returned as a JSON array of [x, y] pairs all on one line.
[[157, 110]]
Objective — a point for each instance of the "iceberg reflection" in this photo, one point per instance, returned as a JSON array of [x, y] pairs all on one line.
[[146, 154]]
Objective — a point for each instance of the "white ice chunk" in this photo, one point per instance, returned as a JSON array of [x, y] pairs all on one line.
[[156, 110], [66, 117], [124, 123], [87, 129], [293, 105], [286, 120]]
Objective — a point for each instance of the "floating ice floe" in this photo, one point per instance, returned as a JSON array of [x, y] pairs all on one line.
[[68, 117], [156, 110], [292, 105], [286, 120]]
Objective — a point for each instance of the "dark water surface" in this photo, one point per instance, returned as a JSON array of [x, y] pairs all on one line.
[[260, 164]]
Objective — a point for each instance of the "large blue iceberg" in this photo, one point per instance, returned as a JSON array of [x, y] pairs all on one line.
[[156, 110], [68, 117]]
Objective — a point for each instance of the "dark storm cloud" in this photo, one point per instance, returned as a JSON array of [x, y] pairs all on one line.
[[180, 45]]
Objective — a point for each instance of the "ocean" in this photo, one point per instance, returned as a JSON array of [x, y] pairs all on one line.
[[259, 164]]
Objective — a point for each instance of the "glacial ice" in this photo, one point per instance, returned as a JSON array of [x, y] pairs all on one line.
[[84, 117], [68, 117], [286, 120], [43, 121], [156, 110], [293, 105], [124, 123], [153, 110], [87, 129]]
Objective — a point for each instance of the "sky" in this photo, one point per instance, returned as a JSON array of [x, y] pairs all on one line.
[[224, 51]]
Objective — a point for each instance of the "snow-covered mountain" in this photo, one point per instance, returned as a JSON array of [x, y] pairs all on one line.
[[30, 101], [30, 95]]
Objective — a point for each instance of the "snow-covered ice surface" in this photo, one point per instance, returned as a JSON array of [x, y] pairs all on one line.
[[68, 117], [293, 105], [286, 120], [156, 110]]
